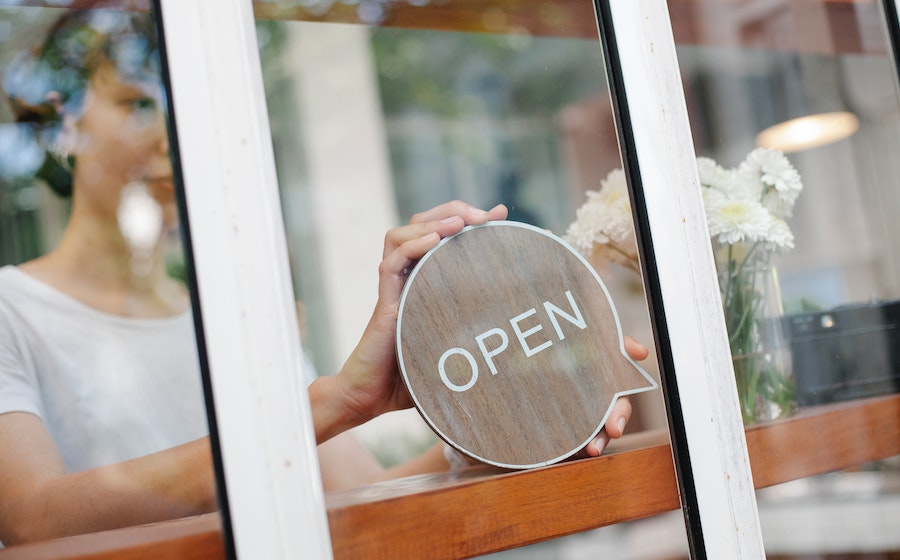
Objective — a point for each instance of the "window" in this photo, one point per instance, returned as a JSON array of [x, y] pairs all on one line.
[[100, 363], [816, 81], [354, 116]]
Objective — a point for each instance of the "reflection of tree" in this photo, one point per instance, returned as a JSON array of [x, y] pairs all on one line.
[[271, 40], [22, 25], [421, 70], [20, 238], [24, 208], [466, 110]]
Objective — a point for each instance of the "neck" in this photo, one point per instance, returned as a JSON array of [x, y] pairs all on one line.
[[94, 265], [98, 250]]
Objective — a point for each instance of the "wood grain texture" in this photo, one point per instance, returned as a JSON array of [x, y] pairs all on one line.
[[822, 26], [815, 26], [489, 511], [485, 509], [824, 439], [190, 538], [510, 346], [550, 502]]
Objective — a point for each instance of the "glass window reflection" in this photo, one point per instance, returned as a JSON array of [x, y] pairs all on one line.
[[102, 416], [380, 110], [814, 81]]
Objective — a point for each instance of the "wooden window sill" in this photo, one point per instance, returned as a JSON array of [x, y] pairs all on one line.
[[483, 509], [575, 18]]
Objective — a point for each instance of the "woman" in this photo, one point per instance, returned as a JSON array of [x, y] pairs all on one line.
[[101, 416]]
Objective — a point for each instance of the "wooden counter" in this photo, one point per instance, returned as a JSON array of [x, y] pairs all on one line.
[[469, 513]]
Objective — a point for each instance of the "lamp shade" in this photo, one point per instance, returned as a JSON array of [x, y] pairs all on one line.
[[805, 107], [810, 131]]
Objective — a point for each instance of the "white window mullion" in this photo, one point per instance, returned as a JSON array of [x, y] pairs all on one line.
[[690, 297], [264, 424]]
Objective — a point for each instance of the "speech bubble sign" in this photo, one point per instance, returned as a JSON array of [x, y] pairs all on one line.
[[510, 346]]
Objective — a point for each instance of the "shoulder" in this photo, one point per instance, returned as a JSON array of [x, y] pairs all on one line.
[[10, 293], [16, 302], [18, 380], [8, 274], [18, 293], [13, 284]]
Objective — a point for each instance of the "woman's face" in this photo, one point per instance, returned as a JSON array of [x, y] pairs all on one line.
[[120, 138]]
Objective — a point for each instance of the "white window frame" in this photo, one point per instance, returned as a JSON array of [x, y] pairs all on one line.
[[275, 501], [712, 444], [273, 491]]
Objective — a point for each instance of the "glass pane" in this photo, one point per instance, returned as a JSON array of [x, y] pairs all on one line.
[[381, 110], [102, 415], [804, 234]]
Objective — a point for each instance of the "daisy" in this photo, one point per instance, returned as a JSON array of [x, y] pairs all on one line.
[[736, 220], [780, 181]]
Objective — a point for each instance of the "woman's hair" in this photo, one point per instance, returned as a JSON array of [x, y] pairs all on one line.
[[51, 80]]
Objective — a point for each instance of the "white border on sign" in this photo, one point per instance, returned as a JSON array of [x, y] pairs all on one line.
[[652, 382]]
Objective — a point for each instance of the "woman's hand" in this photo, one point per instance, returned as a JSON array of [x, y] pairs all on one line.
[[621, 412], [370, 384]]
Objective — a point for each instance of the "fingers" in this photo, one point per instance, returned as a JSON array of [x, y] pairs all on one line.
[[470, 214], [445, 220], [618, 418], [445, 227], [402, 256], [596, 447], [635, 349], [394, 268], [613, 429]]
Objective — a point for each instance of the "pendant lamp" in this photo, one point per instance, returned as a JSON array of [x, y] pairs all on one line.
[[806, 108]]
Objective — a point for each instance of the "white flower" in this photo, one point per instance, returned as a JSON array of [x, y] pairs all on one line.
[[605, 216], [735, 220], [778, 180], [614, 197], [581, 234], [747, 185], [714, 176], [748, 203], [713, 197], [779, 236]]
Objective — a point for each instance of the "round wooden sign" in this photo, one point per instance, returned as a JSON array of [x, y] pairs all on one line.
[[510, 346]]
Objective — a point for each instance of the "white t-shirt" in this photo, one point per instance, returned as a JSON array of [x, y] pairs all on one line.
[[108, 388]]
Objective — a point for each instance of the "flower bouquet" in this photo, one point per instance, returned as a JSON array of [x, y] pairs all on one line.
[[746, 208]]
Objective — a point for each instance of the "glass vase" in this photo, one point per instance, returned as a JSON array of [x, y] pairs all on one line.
[[760, 353]]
